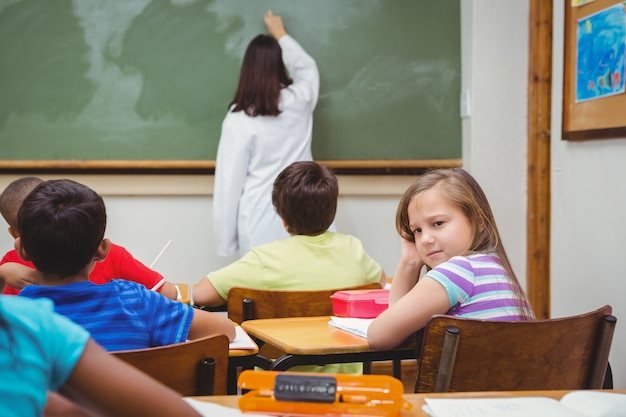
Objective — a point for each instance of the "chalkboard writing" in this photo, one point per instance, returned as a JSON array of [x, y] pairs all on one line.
[[151, 79]]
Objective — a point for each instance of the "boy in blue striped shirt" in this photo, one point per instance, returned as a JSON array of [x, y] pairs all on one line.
[[62, 225]]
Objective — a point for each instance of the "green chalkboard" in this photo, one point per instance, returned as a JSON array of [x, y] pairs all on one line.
[[151, 79]]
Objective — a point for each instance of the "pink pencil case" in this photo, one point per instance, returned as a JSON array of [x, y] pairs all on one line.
[[365, 304]]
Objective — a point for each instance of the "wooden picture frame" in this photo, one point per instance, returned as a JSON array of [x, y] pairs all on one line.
[[587, 119]]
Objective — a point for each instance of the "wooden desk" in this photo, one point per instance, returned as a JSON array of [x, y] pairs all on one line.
[[183, 293], [417, 400], [311, 341]]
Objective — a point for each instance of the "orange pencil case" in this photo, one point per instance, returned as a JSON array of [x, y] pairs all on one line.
[[305, 394]]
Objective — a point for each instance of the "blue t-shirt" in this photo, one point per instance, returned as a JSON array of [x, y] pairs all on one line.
[[120, 314], [38, 352]]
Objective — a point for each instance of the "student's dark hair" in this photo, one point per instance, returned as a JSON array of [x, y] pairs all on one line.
[[61, 224], [13, 195], [263, 75], [463, 191], [305, 197]]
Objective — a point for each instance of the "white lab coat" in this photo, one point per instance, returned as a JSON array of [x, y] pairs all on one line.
[[252, 152]]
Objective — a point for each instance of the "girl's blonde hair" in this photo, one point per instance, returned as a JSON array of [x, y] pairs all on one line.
[[465, 193]]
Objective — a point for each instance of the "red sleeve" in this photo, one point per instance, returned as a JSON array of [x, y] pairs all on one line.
[[120, 264], [12, 256]]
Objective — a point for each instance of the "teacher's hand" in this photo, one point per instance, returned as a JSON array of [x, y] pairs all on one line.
[[274, 25]]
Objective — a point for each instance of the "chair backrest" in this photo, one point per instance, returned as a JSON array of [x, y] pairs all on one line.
[[459, 354], [249, 304], [197, 367]]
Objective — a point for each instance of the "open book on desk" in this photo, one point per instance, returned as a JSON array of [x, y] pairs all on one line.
[[573, 404], [242, 340], [351, 325]]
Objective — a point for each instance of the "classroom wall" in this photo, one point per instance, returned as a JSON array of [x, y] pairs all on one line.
[[588, 265], [495, 38], [146, 211]]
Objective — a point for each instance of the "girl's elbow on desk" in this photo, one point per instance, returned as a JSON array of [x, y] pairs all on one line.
[[380, 336]]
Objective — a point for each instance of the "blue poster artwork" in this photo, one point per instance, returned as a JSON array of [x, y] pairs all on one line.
[[600, 54]]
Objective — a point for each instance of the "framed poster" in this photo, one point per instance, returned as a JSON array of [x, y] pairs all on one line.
[[594, 67]]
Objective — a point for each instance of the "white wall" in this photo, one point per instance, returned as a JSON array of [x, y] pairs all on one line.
[[146, 211], [495, 41], [588, 235], [587, 239]]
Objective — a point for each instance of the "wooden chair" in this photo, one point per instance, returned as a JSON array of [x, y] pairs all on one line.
[[459, 354], [197, 367], [249, 304]]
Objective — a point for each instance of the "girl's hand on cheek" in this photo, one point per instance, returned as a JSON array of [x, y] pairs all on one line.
[[407, 272], [409, 254]]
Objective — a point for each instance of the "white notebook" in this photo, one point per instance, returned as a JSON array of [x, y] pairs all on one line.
[[242, 341], [351, 325], [573, 404]]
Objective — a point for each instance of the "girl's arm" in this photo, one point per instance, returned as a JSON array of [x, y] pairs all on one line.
[[412, 301], [408, 314], [108, 386], [407, 271]]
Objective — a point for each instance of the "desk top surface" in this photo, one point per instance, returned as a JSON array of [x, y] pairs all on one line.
[[183, 293], [417, 400], [242, 352], [307, 336]]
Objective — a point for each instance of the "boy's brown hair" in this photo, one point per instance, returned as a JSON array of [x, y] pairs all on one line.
[[305, 197]]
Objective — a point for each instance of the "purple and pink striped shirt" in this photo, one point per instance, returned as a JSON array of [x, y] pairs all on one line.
[[479, 287]]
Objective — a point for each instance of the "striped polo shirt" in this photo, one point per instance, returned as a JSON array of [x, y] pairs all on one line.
[[479, 287], [120, 314]]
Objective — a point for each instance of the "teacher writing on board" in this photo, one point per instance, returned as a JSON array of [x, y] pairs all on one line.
[[268, 126]]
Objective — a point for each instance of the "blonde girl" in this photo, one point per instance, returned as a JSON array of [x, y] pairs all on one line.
[[447, 225]]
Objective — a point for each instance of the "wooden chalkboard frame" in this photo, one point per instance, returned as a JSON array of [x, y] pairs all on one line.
[[344, 167], [588, 120]]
